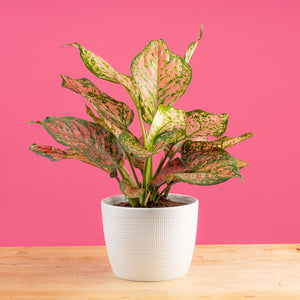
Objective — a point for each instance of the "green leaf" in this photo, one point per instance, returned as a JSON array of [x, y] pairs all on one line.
[[130, 191], [166, 119], [174, 166], [192, 47], [56, 154], [132, 145], [95, 141], [201, 123], [161, 75], [101, 102], [99, 67]]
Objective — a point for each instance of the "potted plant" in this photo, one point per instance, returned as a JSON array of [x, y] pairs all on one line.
[[149, 233]]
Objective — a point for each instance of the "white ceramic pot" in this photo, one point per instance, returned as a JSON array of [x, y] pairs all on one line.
[[150, 244]]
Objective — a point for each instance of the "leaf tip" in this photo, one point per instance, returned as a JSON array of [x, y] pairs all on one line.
[[70, 44]]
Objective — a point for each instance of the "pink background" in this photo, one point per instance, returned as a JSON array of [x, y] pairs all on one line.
[[246, 65]]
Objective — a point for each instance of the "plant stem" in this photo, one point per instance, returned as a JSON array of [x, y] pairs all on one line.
[[126, 175], [133, 171], [167, 190]]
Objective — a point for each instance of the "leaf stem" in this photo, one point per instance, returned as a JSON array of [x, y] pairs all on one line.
[[133, 171], [126, 175]]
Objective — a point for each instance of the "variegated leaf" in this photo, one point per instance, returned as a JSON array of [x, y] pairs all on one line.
[[192, 47], [95, 141], [177, 147], [225, 141], [166, 119], [206, 178], [102, 103], [190, 146], [173, 167], [129, 191], [201, 123], [166, 138], [106, 122], [132, 145], [56, 154], [161, 75], [102, 69], [210, 166]]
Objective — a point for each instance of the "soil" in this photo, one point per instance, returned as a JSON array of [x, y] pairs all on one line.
[[161, 203]]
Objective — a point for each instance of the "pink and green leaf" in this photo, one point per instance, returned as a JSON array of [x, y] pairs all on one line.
[[56, 154], [201, 123], [101, 102], [166, 119], [102, 69], [130, 191], [95, 141], [225, 141], [132, 145], [173, 167], [192, 47], [161, 75]]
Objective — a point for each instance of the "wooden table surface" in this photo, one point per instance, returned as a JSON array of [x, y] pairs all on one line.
[[217, 272]]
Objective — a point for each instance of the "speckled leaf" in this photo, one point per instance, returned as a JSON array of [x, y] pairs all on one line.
[[129, 191], [102, 103], [56, 154], [99, 67], [201, 123], [210, 166], [166, 138], [106, 122], [166, 119], [192, 47], [190, 146], [174, 166], [161, 75], [96, 142], [225, 141], [132, 145]]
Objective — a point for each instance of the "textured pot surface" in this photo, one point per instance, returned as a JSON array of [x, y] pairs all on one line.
[[150, 244]]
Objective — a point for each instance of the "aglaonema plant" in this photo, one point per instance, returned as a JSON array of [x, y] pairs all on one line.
[[159, 78]]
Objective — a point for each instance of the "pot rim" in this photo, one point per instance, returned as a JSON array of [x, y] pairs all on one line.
[[194, 202]]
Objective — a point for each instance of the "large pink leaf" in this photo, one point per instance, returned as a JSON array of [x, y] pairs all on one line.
[[102, 69], [173, 167], [201, 123], [56, 154], [161, 75], [102, 103], [96, 142]]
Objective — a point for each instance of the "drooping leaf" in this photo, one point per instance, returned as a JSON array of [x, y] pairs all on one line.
[[201, 123], [99, 67], [192, 47], [56, 154], [102, 103], [190, 146], [210, 165], [161, 75], [166, 119], [174, 166], [95, 141], [129, 191], [132, 145], [225, 141]]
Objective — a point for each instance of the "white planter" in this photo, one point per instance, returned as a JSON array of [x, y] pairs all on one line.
[[150, 244]]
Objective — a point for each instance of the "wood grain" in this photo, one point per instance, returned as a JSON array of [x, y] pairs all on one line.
[[224, 272]]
